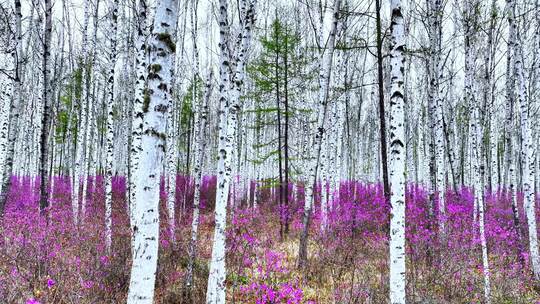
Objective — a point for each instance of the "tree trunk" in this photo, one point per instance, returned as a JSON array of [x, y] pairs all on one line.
[[324, 82], [148, 173], [397, 150], [279, 138], [82, 124], [382, 119], [13, 111], [141, 97], [200, 146], [527, 162], [436, 105], [286, 133], [229, 90], [46, 119], [110, 125]]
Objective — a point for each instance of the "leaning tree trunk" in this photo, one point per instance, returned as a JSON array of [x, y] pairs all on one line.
[[152, 145], [324, 81]]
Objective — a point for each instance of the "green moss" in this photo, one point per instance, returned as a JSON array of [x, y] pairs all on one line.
[[154, 68], [146, 100], [166, 38], [153, 71]]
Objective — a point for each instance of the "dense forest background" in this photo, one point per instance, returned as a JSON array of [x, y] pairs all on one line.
[[252, 151]]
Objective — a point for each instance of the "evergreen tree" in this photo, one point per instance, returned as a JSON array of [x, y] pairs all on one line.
[[278, 73]]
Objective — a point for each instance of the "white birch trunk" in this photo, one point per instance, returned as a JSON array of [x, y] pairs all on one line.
[[170, 171], [14, 106], [397, 154], [140, 97], [87, 150], [110, 125], [436, 74], [229, 107], [200, 145], [316, 153], [527, 162], [215, 293], [148, 172], [5, 104], [82, 122], [478, 186]]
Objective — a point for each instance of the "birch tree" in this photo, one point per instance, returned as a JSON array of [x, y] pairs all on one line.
[[200, 144], [435, 16], [13, 117], [78, 173], [152, 149], [315, 153], [509, 174], [397, 152], [216, 281], [137, 116], [527, 161], [478, 186], [230, 86], [110, 124]]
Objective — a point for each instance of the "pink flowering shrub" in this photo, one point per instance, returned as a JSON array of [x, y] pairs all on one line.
[[48, 258]]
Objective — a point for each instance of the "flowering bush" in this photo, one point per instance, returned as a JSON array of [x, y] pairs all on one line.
[[48, 258]]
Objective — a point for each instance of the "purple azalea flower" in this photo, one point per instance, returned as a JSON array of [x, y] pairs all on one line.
[[50, 283]]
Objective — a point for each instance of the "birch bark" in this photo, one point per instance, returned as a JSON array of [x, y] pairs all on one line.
[[141, 96], [397, 152], [13, 110], [230, 88], [527, 162], [313, 166], [110, 125], [148, 173]]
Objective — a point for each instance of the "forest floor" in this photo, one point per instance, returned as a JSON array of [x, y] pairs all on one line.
[[49, 259]]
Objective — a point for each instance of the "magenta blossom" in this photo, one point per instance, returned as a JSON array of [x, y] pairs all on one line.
[[50, 283]]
